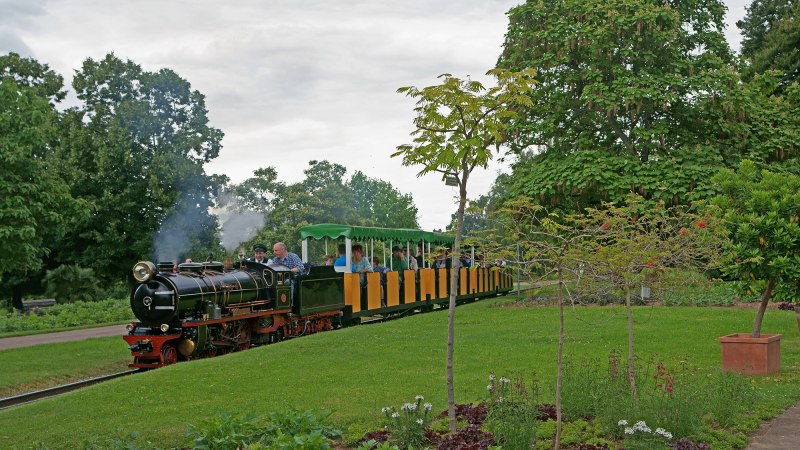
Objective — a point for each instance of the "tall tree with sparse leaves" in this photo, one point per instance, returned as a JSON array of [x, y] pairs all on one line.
[[458, 124]]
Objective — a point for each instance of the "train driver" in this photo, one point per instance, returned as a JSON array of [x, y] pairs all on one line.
[[259, 250]]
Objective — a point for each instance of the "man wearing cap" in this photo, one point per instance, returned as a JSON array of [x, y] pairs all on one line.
[[260, 254]]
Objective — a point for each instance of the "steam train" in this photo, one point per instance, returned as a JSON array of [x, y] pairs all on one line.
[[206, 309]]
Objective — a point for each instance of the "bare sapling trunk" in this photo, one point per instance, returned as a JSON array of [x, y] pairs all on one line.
[[451, 313], [762, 308], [631, 369], [559, 376]]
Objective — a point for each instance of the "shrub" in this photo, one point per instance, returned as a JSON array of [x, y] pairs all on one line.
[[70, 283], [68, 315], [685, 288], [225, 431], [287, 429], [512, 412], [407, 426]]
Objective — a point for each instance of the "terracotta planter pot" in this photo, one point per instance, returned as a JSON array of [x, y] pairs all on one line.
[[742, 353]]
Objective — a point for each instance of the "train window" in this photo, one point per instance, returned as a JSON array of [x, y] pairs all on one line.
[[268, 277]]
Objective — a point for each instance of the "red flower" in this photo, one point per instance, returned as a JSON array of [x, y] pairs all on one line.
[[604, 226], [701, 224], [650, 264]]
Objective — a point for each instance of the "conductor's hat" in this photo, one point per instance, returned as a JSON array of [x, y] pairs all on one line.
[[259, 248]]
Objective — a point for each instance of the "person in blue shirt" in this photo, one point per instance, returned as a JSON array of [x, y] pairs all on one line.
[[377, 267], [286, 258], [341, 261]]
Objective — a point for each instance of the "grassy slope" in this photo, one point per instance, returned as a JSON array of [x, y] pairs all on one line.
[[358, 370], [41, 366]]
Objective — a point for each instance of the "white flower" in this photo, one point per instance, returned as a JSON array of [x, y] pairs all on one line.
[[664, 433], [428, 407], [386, 410], [491, 378], [419, 398], [641, 426], [622, 422], [499, 399], [395, 415], [419, 421], [505, 380], [490, 388], [629, 430], [409, 407]]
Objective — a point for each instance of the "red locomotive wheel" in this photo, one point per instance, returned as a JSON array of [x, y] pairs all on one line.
[[169, 354]]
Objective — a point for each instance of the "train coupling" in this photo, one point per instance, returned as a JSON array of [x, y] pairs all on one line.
[[142, 346]]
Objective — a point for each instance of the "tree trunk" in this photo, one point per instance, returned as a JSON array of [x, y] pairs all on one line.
[[451, 313], [631, 369], [559, 376], [16, 296], [763, 307]]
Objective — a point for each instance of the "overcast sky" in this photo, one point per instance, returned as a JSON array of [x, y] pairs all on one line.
[[291, 81]]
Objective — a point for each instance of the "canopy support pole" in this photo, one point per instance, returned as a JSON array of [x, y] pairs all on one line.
[[305, 250], [348, 255]]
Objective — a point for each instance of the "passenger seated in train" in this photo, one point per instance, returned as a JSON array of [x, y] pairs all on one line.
[[341, 261], [377, 267], [328, 260], [412, 261], [360, 264], [418, 257], [443, 260], [465, 261], [398, 260]]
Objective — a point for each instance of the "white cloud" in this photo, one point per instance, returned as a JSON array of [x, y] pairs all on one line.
[[289, 81]]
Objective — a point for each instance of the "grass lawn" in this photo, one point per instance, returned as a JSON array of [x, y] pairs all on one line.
[[30, 368], [356, 371]]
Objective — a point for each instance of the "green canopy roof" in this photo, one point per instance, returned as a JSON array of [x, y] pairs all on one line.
[[334, 231]]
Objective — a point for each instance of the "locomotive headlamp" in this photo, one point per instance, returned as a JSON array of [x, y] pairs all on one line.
[[143, 271], [164, 327], [129, 327]]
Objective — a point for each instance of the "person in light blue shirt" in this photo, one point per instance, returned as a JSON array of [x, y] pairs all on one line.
[[360, 264]]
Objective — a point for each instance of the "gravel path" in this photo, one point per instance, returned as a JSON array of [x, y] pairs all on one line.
[[64, 336]]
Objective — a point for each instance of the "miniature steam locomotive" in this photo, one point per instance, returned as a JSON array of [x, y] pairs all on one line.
[[206, 309]]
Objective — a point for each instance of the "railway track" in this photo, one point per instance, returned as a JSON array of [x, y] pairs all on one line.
[[22, 399]]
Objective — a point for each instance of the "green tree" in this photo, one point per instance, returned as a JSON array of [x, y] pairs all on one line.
[[761, 210], [322, 197], [458, 123], [771, 38], [614, 110], [635, 243], [379, 204], [33, 200], [135, 154], [761, 119]]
